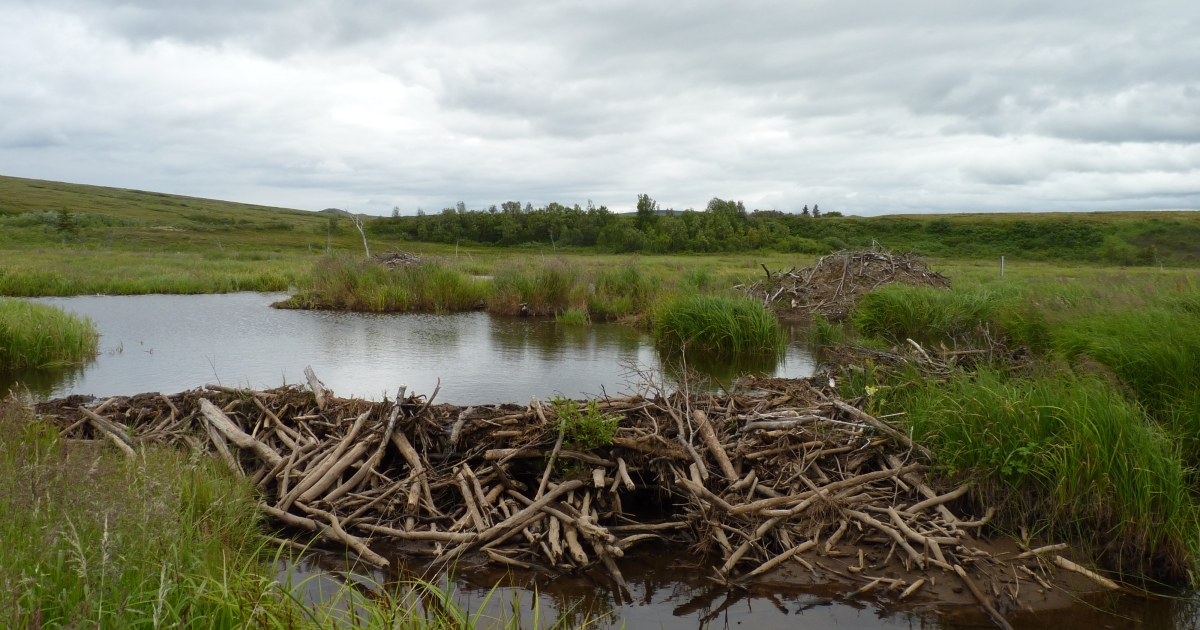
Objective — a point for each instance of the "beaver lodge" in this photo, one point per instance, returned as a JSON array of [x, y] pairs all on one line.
[[777, 477]]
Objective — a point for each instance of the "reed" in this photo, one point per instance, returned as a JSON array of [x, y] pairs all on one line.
[[573, 317], [899, 311], [343, 282], [622, 292], [717, 323], [39, 336], [537, 289]]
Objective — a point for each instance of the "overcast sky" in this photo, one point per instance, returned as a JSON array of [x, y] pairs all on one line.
[[863, 107]]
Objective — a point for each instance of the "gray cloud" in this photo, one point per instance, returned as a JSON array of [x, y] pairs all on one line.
[[861, 107]]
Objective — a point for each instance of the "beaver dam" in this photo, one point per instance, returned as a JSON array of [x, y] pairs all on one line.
[[780, 477]]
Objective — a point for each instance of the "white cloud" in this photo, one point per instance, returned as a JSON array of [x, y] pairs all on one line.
[[861, 107]]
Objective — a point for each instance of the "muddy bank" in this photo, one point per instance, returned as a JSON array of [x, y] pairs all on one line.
[[777, 480]]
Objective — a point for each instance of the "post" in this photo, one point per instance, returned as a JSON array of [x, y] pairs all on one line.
[[1002, 267]]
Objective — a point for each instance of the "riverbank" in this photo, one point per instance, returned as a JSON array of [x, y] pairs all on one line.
[[41, 336]]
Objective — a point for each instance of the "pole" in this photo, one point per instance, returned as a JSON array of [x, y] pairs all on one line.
[[1001, 267]]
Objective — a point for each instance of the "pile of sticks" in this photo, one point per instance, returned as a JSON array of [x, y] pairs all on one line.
[[397, 259], [778, 471], [833, 285]]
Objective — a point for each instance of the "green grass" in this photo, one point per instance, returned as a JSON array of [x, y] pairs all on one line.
[[40, 336], [717, 323], [345, 282], [622, 292], [36, 273], [1063, 453], [573, 317], [545, 288], [899, 311]]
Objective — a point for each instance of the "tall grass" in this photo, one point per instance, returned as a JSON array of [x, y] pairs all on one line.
[[537, 289], [38, 336], [344, 282], [901, 311], [622, 292], [717, 323], [1065, 453]]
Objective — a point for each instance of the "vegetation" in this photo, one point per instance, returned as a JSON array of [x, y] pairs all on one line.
[[40, 336], [718, 323], [584, 428], [344, 282], [1062, 453]]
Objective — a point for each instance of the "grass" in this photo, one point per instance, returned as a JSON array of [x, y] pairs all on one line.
[[42, 336], [717, 323], [1062, 453], [531, 288], [344, 282], [90, 539], [898, 312], [573, 317]]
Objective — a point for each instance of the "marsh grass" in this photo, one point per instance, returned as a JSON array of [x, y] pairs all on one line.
[[717, 323], [43, 336], [622, 292], [573, 317], [899, 311], [547, 288], [1063, 453], [344, 282]]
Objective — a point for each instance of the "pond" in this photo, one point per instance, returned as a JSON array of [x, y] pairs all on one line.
[[170, 343]]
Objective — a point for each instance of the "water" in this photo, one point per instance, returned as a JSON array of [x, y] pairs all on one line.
[[170, 343], [671, 592]]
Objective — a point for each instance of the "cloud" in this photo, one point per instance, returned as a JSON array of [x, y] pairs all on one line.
[[865, 108]]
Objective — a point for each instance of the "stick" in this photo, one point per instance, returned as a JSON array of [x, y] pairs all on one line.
[[773, 562], [320, 392], [1040, 550], [945, 498], [714, 446], [1099, 579], [114, 437], [862, 416], [912, 589], [982, 599]]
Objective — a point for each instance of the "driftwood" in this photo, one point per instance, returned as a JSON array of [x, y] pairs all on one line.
[[750, 479]]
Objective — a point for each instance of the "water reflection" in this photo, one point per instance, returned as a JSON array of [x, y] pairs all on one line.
[[670, 590], [170, 343]]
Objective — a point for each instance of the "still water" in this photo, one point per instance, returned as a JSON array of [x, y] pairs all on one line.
[[170, 343]]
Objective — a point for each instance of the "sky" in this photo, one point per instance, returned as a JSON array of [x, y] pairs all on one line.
[[866, 108]]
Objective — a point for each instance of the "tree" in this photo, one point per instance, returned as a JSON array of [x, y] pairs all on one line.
[[359, 224], [805, 212], [647, 213], [395, 212], [816, 212], [66, 221]]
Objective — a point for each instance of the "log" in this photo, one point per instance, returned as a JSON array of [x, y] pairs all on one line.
[[453, 537], [709, 435], [321, 393], [236, 435], [939, 500]]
